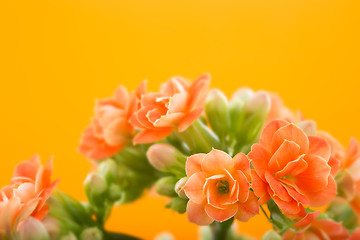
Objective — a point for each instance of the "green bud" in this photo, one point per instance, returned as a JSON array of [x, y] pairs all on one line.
[[167, 158], [95, 188], [115, 192], [166, 186], [217, 112], [271, 235], [92, 234], [178, 204], [33, 229], [109, 170], [341, 211], [69, 236], [179, 187]]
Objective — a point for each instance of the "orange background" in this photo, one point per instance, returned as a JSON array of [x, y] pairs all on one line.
[[57, 56]]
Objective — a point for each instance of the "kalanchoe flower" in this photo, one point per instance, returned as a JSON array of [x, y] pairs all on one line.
[[218, 188], [25, 197], [177, 105], [312, 228], [291, 168], [110, 129]]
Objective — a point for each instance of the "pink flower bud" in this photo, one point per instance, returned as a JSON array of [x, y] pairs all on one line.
[[166, 158], [33, 229]]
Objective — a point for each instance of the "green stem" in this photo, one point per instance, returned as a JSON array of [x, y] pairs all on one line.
[[220, 230], [266, 215]]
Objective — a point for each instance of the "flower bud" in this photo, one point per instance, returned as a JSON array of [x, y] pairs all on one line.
[[95, 188], [167, 158], [179, 187], [259, 102], [308, 126], [217, 112], [166, 186], [115, 192], [69, 236], [346, 186], [164, 236], [178, 204], [271, 235], [33, 229], [52, 227], [109, 170], [92, 233]]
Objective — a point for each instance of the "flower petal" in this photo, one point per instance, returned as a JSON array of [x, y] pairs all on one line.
[[324, 196], [269, 131], [287, 152], [315, 177], [150, 136], [189, 119], [319, 146], [259, 187], [221, 215], [194, 187], [193, 164], [259, 157], [242, 163], [216, 161], [248, 209], [293, 133], [196, 214]]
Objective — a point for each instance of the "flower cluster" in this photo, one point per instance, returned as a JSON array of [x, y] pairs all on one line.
[[215, 159]]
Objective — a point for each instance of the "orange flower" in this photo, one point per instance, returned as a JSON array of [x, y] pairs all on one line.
[[278, 110], [310, 228], [110, 128], [291, 168], [177, 104], [218, 188], [30, 187]]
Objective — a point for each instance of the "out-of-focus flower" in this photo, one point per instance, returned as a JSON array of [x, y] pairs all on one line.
[[278, 110], [25, 197], [355, 235], [218, 188], [110, 129], [291, 168], [177, 105], [312, 228]]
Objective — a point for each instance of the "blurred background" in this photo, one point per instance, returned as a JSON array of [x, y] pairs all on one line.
[[58, 56]]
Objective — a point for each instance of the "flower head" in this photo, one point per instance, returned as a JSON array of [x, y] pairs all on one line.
[[110, 129], [30, 187], [218, 188], [176, 105], [291, 168], [310, 227]]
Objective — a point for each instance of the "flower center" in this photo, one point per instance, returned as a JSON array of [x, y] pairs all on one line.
[[222, 186]]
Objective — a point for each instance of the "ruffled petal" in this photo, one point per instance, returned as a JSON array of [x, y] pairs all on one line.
[[193, 164], [196, 214]]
